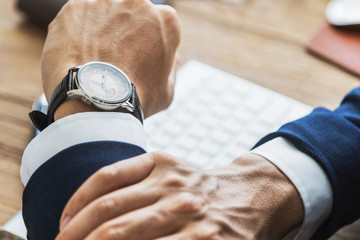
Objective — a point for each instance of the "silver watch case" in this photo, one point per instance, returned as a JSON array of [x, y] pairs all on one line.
[[78, 91]]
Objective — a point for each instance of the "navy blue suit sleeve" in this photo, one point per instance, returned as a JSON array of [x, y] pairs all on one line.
[[332, 138], [52, 185]]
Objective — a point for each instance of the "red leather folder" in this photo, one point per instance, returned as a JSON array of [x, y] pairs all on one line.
[[340, 46]]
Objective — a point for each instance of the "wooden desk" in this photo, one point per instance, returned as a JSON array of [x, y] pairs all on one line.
[[259, 40]]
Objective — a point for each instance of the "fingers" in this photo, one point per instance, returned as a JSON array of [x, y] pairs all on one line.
[[98, 201], [196, 231], [160, 219], [155, 205], [106, 180], [108, 207], [143, 224]]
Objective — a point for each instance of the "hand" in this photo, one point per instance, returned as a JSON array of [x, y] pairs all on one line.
[[138, 37], [155, 196]]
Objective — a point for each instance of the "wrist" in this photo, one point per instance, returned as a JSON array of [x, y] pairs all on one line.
[[53, 74], [73, 106], [276, 197]]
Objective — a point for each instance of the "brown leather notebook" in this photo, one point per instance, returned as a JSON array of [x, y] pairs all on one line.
[[340, 46]]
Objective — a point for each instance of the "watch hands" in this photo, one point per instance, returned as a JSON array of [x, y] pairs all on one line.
[[110, 91], [97, 83], [104, 86], [104, 77]]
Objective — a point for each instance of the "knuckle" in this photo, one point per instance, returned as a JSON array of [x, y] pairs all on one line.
[[163, 157], [64, 235], [73, 3], [169, 15], [108, 232], [51, 26], [61, 235], [168, 11], [208, 232], [134, 3], [105, 1], [158, 154], [105, 174], [173, 180], [105, 206], [188, 204]]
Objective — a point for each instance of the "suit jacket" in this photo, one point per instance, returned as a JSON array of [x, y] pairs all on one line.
[[53, 183], [331, 138]]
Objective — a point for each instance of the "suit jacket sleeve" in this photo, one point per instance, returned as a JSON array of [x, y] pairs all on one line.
[[332, 138], [52, 184]]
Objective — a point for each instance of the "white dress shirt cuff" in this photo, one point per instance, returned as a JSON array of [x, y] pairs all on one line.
[[76, 129], [309, 179]]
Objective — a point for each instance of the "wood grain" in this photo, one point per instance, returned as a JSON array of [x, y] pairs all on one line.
[[259, 40]]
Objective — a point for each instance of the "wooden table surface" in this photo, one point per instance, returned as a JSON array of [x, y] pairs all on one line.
[[259, 40]]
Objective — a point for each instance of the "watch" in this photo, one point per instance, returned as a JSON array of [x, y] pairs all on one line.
[[97, 83]]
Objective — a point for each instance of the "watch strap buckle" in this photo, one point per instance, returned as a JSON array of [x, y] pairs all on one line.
[[39, 119]]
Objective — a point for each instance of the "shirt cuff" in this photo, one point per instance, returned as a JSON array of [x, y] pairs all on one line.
[[309, 179], [76, 129]]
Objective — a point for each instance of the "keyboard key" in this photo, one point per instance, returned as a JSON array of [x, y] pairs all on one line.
[[234, 125], [210, 123], [198, 159], [185, 119], [222, 137], [152, 148], [260, 129], [196, 108], [199, 131], [271, 114], [232, 100], [249, 139], [241, 87], [186, 142], [161, 140], [206, 98], [210, 148], [257, 101], [177, 151], [173, 128], [234, 151], [242, 115], [221, 110]]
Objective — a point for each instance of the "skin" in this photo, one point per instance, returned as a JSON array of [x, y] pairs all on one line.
[[156, 196], [138, 37]]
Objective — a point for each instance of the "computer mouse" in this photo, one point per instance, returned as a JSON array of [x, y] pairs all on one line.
[[343, 12]]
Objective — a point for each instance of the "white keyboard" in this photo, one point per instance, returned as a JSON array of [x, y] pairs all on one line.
[[216, 117]]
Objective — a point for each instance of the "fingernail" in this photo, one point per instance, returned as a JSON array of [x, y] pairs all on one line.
[[64, 223]]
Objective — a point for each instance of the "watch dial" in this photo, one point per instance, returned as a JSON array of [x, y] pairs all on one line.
[[104, 82]]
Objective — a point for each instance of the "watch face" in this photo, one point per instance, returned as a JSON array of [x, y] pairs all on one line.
[[104, 82]]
